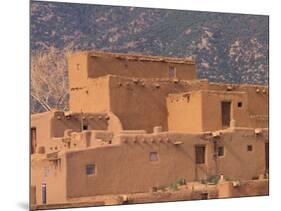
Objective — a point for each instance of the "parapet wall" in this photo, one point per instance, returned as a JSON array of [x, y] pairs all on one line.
[[246, 188], [140, 66], [85, 65]]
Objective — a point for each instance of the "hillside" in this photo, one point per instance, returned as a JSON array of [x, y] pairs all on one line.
[[227, 47]]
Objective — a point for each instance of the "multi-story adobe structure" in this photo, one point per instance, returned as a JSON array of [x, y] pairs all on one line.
[[137, 122]]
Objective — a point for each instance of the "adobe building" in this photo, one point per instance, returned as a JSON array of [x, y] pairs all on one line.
[[138, 122]]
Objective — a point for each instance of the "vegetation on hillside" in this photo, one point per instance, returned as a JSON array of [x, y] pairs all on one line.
[[227, 47]]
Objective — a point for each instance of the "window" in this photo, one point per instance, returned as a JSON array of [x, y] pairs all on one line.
[[90, 169], [85, 127], [249, 148], [221, 151], [153, 156], [78, 66], [172, 72], [239, 104], [204, 196], [200, 154]]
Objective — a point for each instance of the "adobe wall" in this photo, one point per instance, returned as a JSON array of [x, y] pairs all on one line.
[[185, 112], [258, 100], [138, 66], [44, 171], [237, 162], [61, 122], [246, 188], [55, 124], [200, 110], [92, 97], [79, 140], [212, 113], [42, 124], [141, 104], [126, 168], [77, 65]]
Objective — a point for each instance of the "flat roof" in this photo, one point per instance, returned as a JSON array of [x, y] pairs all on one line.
[[141, 57]]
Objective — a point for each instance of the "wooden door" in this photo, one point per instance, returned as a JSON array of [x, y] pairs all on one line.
[[225, 114]]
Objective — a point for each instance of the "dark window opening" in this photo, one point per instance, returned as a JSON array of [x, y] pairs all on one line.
[[33, 142], [239, 104], [172, 72], [78, 66], [85, 127], [221, 151], [225, 114], [90, 169], [153, 156], [57, 163], [200, 154], [187, 96], [204, 196], [249, 148]]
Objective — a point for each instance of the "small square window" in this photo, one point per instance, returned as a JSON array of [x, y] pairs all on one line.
[[153, 156], [221, 151], [249, 148], [239, 104], [90, 169]]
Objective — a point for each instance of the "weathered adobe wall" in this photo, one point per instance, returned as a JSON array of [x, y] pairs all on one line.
[[212, 111], [141, 104], [84, 65], [44, 171], [43, 127], [257, 101], [136, 67], [200, 110], [185, 112], [77, 70], [55, 124], [246, 188], [76, 141], [126, 168], [237, 162], [93, 96], [94, 121]]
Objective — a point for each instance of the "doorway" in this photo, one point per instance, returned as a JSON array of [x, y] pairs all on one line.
[[200, 162], [44, 193], [225, 113]]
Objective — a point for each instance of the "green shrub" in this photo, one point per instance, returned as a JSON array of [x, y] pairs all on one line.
[[174, 187], [181, 181], [162, 188], [213, 179]]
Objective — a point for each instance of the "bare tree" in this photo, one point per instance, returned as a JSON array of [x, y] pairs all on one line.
[[49, 81]]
